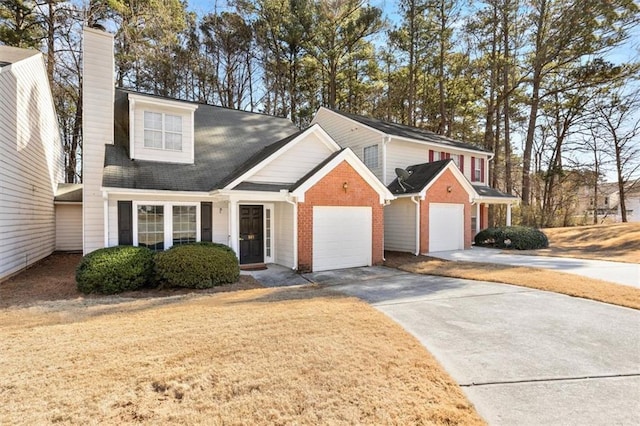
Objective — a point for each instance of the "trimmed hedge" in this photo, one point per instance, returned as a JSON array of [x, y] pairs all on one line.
[[512, 237], [197, 265], [115, 269]]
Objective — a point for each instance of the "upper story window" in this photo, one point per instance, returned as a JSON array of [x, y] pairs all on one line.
[[371, 156], [477, 170], [162, 131], [456, 159]]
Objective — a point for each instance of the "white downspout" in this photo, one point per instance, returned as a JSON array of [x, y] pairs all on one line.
[[295, 232], [416, 200], [509, 214], [233, 226], [105, 197]]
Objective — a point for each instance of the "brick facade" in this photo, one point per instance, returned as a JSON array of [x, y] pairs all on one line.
[[329, 191], [438, 193]]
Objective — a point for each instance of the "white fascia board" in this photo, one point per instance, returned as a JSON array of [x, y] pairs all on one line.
[[70, 203], [353, 160], [322, 135], [167, 103], [134, 192], [459, 177]]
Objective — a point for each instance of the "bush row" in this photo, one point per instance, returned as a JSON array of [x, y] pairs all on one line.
[[512, 237], [124, 268]]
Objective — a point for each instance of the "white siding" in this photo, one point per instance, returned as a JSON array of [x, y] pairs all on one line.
[[30, 165], [220, 216], [97, 124], [284, 234], [296, 162], [402, 154], [348, 133], [69, 227], [400, 225], [153, 154]]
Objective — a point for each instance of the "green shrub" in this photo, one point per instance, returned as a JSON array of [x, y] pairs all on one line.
[[115, 269], [512, 237], [197, 265]]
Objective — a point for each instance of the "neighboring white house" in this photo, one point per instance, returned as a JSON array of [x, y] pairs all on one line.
[[441, 206], [31, 162]]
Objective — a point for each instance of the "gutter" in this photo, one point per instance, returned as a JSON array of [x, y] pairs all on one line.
[[416, 201]]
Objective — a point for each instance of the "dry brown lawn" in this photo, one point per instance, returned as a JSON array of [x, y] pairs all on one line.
[[619, 242], [541, 279], [259, 356]]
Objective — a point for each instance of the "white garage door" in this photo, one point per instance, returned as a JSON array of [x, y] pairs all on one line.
[[341, 237], [446, 227]]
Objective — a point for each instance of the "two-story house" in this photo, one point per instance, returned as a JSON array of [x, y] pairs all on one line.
[[160, 172], [442, 194]]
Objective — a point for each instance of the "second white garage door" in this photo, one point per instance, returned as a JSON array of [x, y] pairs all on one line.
[[341, 237], [446, 227]]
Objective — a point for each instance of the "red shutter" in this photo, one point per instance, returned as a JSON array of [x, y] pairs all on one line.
[[442, 155], [447, 155], [473, 169], [482, 170], [431, 156], [462, 163]]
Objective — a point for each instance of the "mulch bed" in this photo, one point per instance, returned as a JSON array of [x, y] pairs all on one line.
[[53, 278]]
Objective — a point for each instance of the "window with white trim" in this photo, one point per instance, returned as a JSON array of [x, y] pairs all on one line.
[[370, 155], [184, 225], [436, 156], [477, 172], [160, 225], [162, 131], [151, 226], [456, 159]]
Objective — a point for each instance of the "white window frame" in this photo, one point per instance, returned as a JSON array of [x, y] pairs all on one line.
[[456, 159], [163, 130], [477, 172], [376, 157], [168, 219], [436, 155]]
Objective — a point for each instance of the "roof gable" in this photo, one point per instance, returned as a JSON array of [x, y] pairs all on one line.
[[285, 161], [415, 134], [324, 168], [422, 176], [10, 55]]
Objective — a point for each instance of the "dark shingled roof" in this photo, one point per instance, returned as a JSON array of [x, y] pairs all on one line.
[[421, 175], [69, 193], [225, 139], [485, 191], [410, 132], [10, 55], [256, 186]]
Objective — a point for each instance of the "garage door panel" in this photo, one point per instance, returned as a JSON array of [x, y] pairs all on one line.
[[446, 227], [341, 237]]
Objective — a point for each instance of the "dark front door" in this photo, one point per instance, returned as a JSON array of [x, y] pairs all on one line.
[[251, 234]]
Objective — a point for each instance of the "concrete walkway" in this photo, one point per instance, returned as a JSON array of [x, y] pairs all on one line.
[[522, 356], [615, 272]]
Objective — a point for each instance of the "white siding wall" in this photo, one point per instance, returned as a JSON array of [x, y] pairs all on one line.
[[284, 234], [98, 95], [30, 165], [296, 162], [152, 154], [69, 227], [220, 216], [400, 226], [351, 134], [404, 154]]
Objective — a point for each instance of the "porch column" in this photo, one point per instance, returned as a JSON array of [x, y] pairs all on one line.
[[233, 226], [478, 218], [509, 214]]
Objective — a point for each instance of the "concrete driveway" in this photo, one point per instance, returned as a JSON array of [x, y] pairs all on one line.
[[615, 272], [522, 356]]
